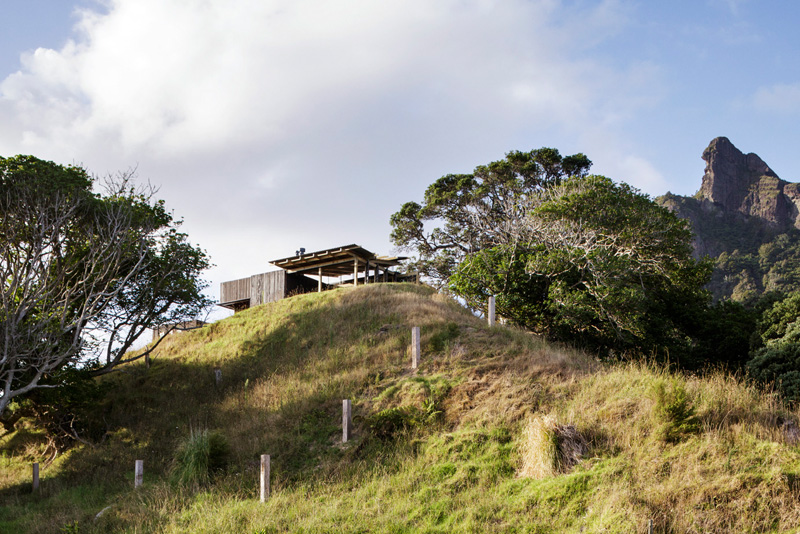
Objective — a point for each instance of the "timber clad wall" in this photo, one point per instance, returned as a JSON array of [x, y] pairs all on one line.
[[267, 287], [235, 290], [263, 288]]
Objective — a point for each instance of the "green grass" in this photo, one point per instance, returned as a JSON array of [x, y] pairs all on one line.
[[458, 439]]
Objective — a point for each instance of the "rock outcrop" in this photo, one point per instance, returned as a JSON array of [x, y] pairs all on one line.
[[743, 183]]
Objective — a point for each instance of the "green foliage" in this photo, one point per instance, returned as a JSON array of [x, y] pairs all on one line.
[[85, 274], [200, 456], [501, 272], [442, 338], [577, 258], [429, 393], [388, 423], [777, 360], [597, 264], [475, 208], [724, 335], [781, 322], [778, 364], [675, 410], [71, 410]]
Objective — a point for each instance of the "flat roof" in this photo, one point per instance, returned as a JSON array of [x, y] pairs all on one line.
[[335, 261]]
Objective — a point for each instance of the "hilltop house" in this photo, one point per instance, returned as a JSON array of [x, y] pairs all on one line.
[[311, 271]]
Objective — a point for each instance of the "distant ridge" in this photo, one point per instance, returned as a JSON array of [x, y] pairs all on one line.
[[744, 183], [746, 218]]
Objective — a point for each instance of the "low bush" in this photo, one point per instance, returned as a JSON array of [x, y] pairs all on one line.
[[675, 411]]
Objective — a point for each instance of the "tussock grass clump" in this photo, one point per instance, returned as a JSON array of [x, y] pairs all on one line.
[[203, 454], [550, 449]]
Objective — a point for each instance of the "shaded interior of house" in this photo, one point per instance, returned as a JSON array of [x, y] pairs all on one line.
[[350, 265]]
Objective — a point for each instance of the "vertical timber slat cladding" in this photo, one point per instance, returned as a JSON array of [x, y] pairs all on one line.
[[255, 289], [267, 287], [235, 290]]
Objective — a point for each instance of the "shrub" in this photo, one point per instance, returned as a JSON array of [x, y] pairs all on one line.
[[675, 411], [200, 456]]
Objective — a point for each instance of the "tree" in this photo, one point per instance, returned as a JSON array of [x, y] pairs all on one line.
[[606, 268], [574, 257], [780, 322], [776, 358], [84, 274], [479, 210]]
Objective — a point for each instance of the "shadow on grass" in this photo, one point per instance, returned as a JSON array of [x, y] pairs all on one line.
[[319, 351]]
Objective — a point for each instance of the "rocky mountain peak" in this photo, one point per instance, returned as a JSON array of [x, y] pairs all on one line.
[[744, 183]]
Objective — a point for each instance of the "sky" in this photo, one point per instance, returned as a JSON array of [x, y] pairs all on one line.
[[270, 125]]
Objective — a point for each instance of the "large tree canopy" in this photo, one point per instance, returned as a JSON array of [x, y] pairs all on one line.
[[84, 274], [575, 257], [595, 263], [477, 210]]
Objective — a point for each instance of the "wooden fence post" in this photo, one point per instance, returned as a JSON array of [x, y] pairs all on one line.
[[35, 477], [649, 526], [264, 477], [138, 473], [415, 347], [491, 311], [218, 377], [347, 420]]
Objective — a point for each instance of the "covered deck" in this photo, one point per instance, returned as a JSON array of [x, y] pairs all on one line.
[[341, 263]]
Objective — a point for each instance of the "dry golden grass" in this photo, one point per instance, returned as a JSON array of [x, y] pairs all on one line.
[[540, 455]]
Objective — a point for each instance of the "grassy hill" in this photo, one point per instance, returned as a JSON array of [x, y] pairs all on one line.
[[497, 431]]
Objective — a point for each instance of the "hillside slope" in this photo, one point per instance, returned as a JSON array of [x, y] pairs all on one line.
[[482, 437]]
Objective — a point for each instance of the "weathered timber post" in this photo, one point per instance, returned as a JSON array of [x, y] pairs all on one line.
[[319, 282], [138, 473], [355, 271], [35, 477], [491, 311], [366, 273], [347, 420], [264, 477], [415, 347], [218, 377], [649, 526]]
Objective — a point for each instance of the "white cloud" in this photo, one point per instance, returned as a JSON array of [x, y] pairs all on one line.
[[312, 121], [779, 98], [734, 6]]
